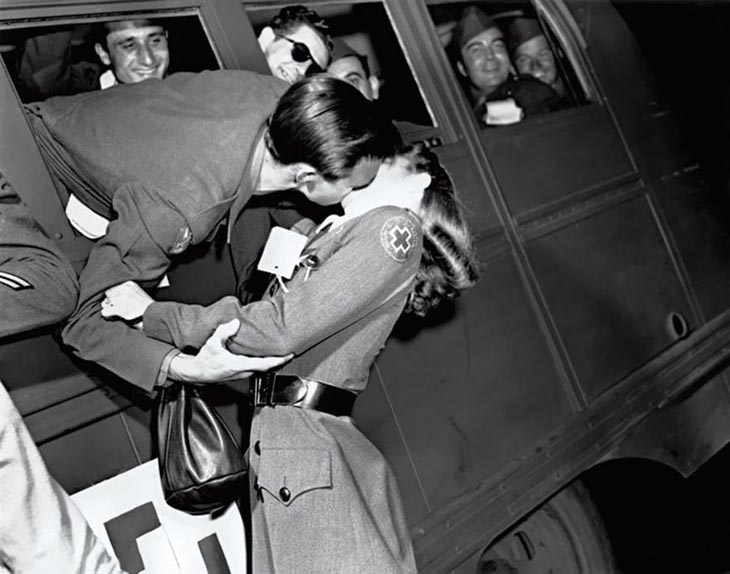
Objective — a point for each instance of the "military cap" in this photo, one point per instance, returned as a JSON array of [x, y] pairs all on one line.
[[521, 30], [473, 21], [341, 49]]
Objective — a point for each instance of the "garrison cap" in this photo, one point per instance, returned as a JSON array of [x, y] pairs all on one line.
[[473, 21], [341, 49], [521, 30]]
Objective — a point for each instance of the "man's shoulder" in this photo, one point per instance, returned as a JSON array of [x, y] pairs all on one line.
[[213, 80], [535, 96], [526, 83]]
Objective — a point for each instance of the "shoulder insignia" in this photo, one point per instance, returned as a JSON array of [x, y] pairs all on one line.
[[398, 237], [15, 282], [182, 241]]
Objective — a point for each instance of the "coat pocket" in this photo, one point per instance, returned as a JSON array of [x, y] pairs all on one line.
[[286, 474]]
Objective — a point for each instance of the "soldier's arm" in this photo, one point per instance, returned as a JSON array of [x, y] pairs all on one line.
[[136, 248], [38, 287]]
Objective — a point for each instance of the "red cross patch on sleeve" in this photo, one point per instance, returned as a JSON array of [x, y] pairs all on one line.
[[398, 237], [15, 282]]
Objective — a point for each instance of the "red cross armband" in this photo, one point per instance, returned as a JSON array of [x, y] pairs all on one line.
[[399, 238]]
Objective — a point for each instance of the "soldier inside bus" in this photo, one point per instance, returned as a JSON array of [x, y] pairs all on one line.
[[296, 43], [352, 67], [41, 530], [133, 50], [531, 53], [498, 95]]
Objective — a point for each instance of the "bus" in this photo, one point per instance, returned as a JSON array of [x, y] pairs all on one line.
[[599, 332]]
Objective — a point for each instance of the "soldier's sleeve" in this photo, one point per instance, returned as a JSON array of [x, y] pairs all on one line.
[[41, 530], [377, 256], [136, 248], [38, 287]]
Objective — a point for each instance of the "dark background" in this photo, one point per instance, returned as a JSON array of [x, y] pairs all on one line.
[[687, 48], [679, 525]]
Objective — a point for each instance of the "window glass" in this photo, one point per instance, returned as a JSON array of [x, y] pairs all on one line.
[[364, 51], [508, 61], [90, 54]]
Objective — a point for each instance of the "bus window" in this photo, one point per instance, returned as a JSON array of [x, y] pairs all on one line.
[[67, 58], [365, 52], [507, 60]]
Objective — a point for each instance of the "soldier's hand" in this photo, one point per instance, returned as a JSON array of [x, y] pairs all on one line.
[[214, 363], [126, 301]]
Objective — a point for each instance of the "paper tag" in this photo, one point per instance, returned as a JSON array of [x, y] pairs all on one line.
[[282, 252], [503, 112]]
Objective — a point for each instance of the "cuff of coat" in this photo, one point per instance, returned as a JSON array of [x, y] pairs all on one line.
[[153, 322], [163, 379]]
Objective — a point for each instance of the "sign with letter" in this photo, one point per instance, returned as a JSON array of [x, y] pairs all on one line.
[[129, 514]]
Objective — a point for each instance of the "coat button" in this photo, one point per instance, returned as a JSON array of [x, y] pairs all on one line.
[[257, 447], [311, 261], [284, 494]]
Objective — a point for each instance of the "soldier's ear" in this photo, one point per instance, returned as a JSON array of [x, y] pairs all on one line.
[[304, 173], [375, 84], [266, 37], [461, 68], [103, 54]]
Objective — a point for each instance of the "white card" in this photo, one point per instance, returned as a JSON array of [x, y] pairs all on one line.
[[282, 252]]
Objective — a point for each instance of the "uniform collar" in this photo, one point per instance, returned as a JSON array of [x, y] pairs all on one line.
[[246, 188], [107, 80]]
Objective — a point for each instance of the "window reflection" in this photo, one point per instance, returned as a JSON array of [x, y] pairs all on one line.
[[507, 60], [353, 42], [67, 59]]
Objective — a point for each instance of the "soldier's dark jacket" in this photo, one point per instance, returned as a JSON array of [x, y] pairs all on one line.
[[164, 160], [38, 287], [536, 98]]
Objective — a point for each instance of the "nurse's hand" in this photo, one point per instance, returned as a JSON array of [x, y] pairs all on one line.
[[126, 301], [214, 363]]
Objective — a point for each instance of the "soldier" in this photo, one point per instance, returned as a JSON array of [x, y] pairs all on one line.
[[352, 67], [41, 530], [531, 52], [295, 43], [133, 50], [166, 160]]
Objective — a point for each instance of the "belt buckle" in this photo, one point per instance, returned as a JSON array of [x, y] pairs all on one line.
[[263, 390]]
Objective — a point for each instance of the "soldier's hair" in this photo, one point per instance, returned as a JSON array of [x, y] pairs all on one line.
[[328, 124], [448, 264], [103, 29], [290, 18]]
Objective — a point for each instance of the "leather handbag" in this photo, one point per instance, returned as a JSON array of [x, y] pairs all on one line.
[[202, 468]]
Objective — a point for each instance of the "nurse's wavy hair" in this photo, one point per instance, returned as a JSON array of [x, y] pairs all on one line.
[[448, 263], [327, 123]]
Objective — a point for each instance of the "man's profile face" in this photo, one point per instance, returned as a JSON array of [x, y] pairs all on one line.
[[279, 57], [350, 69], [485, 60], [135, 52], [323, 192], [534, 57]]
